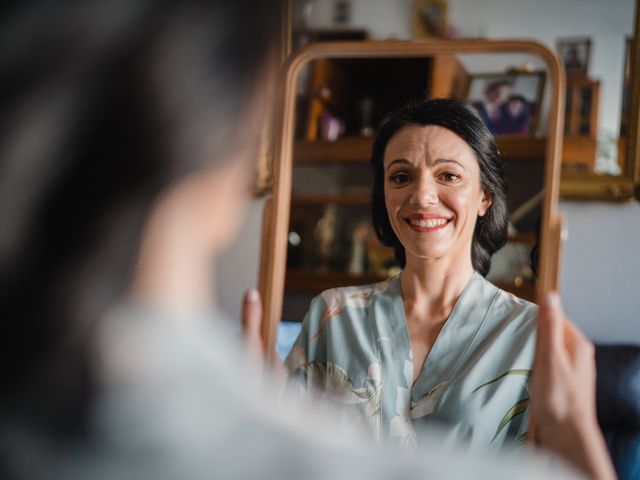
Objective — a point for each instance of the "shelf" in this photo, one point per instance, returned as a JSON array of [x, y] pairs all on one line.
[[299, 200], [522, 148], [332, 34], [358, 150], [526, 291], [526, 238], [318, 281], [348, 149], [314, 282], [365, 201]]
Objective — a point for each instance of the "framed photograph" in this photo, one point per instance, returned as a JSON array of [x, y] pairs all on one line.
[[576, 54], [509, 103]]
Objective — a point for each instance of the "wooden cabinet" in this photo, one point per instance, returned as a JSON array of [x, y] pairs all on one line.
[[581, 123]]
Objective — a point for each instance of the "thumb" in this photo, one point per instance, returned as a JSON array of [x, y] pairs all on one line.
[[252, 321], [550, 325]]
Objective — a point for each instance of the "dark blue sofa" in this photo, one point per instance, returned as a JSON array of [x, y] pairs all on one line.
[[618, 402]]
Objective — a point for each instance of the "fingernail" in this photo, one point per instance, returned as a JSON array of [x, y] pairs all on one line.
[[551, 300], [252, 295]]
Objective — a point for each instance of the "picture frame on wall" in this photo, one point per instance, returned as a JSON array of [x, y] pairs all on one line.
[[508, 103], [576, 55]]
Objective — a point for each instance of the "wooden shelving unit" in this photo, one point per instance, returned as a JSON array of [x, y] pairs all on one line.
[[345, 150], [526, 290], [314, 282], [319, 280], [358, 149], [526, 238], [299, 200], [515, 149]]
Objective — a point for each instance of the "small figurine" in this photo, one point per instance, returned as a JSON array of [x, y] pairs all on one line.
[[357, 264], [325, 231]]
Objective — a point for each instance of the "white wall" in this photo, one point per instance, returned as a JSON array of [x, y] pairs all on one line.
[[384, 19], [237, 269], [600, 278]]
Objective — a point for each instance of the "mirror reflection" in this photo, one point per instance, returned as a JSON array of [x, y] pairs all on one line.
[[399, 199], [339, 108]]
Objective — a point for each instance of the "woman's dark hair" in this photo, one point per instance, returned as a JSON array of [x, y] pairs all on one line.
[[104, 105], [457, 116]]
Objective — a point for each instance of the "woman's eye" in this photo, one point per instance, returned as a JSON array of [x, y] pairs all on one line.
[[399, 178], [449, 177]]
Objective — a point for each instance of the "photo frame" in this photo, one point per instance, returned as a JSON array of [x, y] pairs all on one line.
[[509, 103], [576, 55]]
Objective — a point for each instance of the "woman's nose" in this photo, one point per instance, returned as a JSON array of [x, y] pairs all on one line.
[[425, 191]]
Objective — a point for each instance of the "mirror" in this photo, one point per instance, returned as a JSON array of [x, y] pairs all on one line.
[[317, 232], [597, 44]]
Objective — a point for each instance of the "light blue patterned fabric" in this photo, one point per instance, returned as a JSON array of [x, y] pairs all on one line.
[[354, 348], [287, 334]]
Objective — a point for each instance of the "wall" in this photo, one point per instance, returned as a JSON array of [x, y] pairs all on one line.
[[384, 19], [600, 278], [601, 266], [237, 269]]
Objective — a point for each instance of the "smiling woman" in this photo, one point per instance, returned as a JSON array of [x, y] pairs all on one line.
[[460, 136], [438, 343], [432, 191]]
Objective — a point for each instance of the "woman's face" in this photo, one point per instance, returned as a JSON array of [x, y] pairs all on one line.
[[432, 192]]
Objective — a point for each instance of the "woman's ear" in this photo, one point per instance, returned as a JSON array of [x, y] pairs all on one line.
[[485, 203]]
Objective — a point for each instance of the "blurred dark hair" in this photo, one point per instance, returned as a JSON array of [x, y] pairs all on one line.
[[490, 233], [104, 105]]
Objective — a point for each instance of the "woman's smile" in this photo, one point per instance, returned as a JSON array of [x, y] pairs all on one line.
[[422, 223]]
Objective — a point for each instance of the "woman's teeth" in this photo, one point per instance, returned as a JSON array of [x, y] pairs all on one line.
[[428, 223]]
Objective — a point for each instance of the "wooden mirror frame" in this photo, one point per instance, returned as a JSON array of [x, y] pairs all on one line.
[[277, 207], [618, 188]]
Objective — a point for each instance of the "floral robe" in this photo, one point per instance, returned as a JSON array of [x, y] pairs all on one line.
[[354, 348]]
